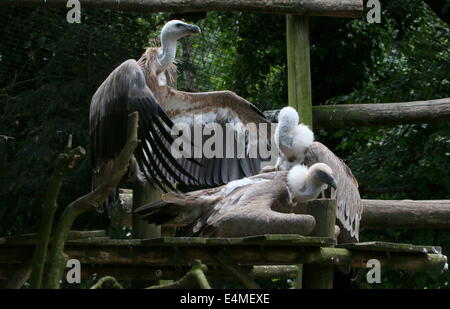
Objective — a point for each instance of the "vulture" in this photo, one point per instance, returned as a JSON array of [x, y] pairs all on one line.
[[201, 110], [296, 145], [142, 86], [262, 204]]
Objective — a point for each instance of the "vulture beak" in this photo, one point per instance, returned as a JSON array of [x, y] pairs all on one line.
[[326, 178], [332, 182], [194, 29]]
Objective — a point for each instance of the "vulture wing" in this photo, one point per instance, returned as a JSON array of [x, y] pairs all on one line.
[[255, 209], [250, 206], [235, 115], [349, 206], [187, 208], [123, 92]]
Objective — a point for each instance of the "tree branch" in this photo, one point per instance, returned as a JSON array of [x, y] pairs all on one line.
[[89, 202], [194, 278], [65, 161], [244, 279], [114, 283]]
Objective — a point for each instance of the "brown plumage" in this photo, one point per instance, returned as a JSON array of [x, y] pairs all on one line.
[[269, 203], [124, 91], [142, 86]]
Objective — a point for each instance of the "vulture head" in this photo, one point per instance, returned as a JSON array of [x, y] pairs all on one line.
[[170, 34], [176, 29], [306, 183]]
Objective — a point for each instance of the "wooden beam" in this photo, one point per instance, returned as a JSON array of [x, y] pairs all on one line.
[[377, 114], [160, 256], [406, 214], [298, 67], [381, 114], [334, 8], [144, 193], [131, 272]]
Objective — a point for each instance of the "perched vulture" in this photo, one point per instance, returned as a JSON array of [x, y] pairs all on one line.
[[296, 145], [202, 109], [261, 204], [142, 86]]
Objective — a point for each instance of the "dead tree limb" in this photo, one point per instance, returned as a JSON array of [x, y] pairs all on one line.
[[239, 274], [89, 202], [107, 279], [195, 278], [19, 277], [64, 163]]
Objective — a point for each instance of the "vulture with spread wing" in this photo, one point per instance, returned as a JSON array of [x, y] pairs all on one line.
[[142, 86], [261, 204], [296, 145], [235, 116]]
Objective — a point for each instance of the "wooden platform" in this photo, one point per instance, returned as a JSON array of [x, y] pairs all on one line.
[[170, 257]]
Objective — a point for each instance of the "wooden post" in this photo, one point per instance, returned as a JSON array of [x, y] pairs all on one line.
[[324, 211], [299, 79], [144, 194], [298, 67]]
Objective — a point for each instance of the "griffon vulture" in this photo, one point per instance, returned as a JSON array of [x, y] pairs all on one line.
[[296, 145], [124, 91], [261, 204], [202, 109], [142, 86]]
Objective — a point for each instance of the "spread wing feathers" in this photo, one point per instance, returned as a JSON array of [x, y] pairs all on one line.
[[349, 205], [238, 120], [183, 208], [123, 92], [250, 206]]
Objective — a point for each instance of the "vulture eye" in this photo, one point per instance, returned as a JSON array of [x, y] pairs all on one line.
[[178, 25]]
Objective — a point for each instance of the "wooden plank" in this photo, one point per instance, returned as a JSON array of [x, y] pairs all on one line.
[[390, 247], [165, 256], [259, 240], [377, 114], [132, 272], [289, 240], [105, 242], [298, 67], [335, 8], [32, 237]]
